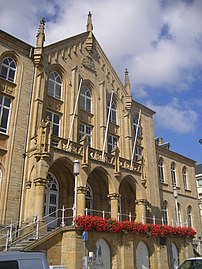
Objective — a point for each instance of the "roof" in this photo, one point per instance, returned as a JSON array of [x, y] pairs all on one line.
[[198, 169]]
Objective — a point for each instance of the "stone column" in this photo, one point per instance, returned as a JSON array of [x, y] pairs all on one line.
[[81, 200], [141, 210], [39, 197], [114, 198]]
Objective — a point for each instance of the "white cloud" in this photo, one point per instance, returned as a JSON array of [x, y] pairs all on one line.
[[175, 118], [126, 30]]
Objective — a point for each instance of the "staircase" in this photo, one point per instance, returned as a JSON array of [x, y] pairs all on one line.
[[19, 245]]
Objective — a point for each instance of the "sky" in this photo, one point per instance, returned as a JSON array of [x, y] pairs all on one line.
[[158, 41]]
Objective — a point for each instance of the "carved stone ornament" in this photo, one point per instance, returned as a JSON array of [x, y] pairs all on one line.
[[89, 63], [2, 87]]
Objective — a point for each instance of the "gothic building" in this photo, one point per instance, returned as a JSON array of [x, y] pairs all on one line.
[[62, 105]]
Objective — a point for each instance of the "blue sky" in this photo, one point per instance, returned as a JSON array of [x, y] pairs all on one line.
[[158, 41]]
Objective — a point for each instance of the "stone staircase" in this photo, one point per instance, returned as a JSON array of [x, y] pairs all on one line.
[[19, 245]]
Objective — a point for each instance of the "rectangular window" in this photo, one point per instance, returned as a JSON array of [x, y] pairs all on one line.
[[9, 265], [137, 127], [200, 182], [55, 120], [85, 130], [138, 153], [5, 105], [111, 142]]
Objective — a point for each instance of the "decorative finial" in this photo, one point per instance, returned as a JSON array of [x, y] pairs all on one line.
[[128, 98], [89, 26], [127, 81], [89, 40], [40, 37]]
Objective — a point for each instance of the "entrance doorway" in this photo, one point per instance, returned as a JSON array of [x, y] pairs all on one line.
[[51, 202], [142, 256]]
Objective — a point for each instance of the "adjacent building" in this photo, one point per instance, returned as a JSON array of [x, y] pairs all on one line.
[[198, 171], [62, 105]]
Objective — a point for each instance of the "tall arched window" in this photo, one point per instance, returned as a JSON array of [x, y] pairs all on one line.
[[178, 213], [85, 99], [8, 69], [113, 117], [173, 176], [184, 177], [189, 216], [165, 212], [89, 199], [55, 85], [161, 170]]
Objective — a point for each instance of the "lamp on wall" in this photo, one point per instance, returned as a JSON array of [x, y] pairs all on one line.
[[175, 194], [76, 169]]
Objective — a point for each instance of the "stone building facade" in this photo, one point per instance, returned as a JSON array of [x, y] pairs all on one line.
[[55, 103]]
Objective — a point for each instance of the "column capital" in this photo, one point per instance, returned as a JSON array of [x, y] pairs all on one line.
[[141, 201], [81, 190], [114, 196], [40, 182]]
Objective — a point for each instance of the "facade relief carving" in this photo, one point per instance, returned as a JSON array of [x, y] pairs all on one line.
[[7, 87], [88, 62], [54, 103]]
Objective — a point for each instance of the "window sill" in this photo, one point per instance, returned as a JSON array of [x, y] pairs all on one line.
[[4, 136], [187, 190], [164, 183]]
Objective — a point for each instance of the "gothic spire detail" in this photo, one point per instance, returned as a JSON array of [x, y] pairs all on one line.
[[89, 26], [40, 37], [127, 81], [128, 98]]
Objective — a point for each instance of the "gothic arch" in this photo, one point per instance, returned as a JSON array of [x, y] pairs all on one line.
[[127, 190], [102, 254]]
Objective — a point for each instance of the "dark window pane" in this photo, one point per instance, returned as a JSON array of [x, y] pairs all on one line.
[[9, 265], [55, 130], [56, 118], [7, 101], [58, 91], [4, 119], [51, 88], [11, 75], [4, 71]]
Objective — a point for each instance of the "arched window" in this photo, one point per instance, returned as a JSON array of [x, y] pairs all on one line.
[[165, 212], [8, 69], [89, 199], [184, 177], [161, 170], [173, 176], [189, 216], [178, 213], [112, 117], [55, 85], [85, 99]]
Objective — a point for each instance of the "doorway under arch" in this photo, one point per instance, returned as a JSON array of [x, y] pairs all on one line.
[[142, 256], [51, 201]]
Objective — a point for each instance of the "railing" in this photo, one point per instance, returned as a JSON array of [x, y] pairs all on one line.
[[62, 217]]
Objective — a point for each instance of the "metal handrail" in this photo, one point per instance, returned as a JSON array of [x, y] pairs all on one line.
[[11, 237]]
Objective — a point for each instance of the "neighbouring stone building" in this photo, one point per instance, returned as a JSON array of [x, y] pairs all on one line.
[[198, 171], [54, 110]]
